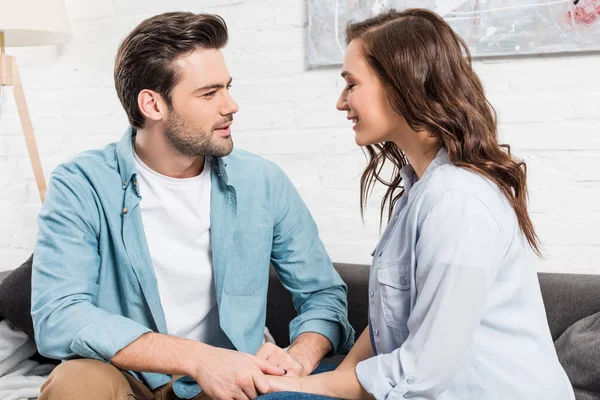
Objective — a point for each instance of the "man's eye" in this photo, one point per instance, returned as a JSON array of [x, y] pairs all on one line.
[[209, 94]]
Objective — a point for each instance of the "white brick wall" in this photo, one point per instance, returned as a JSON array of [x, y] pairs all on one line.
[[548, 108]]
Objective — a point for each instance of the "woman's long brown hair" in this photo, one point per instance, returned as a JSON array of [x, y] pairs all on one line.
[[425, 69]]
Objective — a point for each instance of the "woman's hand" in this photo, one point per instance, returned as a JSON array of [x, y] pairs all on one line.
[[285, 383], [341, 384]]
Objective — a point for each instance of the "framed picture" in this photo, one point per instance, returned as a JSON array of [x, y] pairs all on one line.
[[490, 27]]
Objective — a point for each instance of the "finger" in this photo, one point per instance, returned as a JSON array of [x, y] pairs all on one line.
[[294, 372], [268, 368], [278, 359], [240, 395], [265, 351], [249, 390], [261, 383]]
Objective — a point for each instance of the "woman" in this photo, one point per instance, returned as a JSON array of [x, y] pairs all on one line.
[[455, 309]]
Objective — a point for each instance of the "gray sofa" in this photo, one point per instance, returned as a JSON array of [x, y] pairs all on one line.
[[572, 304]]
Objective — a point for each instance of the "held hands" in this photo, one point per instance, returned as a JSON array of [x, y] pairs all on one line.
[[228, 374], [285, 384], [293, 365]]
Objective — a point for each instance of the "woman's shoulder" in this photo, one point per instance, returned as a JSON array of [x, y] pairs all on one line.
[[464, 185]]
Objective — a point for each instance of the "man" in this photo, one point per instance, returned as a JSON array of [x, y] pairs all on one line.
[[153, 253]]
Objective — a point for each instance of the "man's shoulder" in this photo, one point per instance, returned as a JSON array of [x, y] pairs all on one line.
[[89, 164]]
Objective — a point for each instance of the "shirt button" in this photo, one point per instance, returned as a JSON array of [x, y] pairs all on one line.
[[125, 210], [403, 280], [375, 332], [410, 381], [380, 253], [371, 293]]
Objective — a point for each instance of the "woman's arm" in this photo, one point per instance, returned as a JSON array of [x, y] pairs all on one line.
[[360, 351], [458, 253], [341, 383]]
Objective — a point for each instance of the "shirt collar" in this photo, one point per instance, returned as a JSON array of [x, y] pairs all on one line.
[[125, 156], [128, 170], [409, 178]]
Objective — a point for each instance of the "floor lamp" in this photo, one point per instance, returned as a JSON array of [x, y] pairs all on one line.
[[29, 23]]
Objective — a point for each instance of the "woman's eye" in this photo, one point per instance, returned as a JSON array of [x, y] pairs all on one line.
[[350, 86]]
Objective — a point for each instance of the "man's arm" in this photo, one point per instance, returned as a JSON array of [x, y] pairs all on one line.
[[221, 373], [68, 323], [309, 348], [147, 354], [66, 268], [305, 270]]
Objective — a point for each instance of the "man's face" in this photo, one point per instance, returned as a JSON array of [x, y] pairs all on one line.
[[202, 108]]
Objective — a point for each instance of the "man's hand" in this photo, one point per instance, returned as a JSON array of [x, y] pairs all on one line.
[[227, 374], [221, 373], [295, 367], [302, 357]]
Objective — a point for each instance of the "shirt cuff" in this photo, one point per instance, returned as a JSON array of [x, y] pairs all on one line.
[[331, 330], [103, 339], [372, 378], [186, 388]]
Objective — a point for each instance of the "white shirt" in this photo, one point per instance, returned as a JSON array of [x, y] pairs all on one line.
[[176, 218]]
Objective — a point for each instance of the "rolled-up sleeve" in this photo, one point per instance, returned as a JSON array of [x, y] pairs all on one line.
[[458, 253], [305, 269], [66, 265]]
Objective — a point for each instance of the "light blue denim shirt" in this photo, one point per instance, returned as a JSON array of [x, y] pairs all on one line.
[[455, 308], [94, 290]]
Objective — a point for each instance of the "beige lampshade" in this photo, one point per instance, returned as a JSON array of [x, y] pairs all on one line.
[[34, 22]]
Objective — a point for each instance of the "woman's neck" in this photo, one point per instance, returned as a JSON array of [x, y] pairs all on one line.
[[422, 152]]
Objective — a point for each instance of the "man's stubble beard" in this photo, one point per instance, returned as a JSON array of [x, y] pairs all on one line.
[[188, 140]]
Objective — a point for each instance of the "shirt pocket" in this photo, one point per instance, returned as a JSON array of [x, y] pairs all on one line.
[[394, 285]]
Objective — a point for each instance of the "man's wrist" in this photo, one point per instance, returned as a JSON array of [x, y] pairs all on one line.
[[195, 351], [308, 349], [307, 365]]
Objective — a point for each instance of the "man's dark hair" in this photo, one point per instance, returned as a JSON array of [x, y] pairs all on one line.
[[146, 58]]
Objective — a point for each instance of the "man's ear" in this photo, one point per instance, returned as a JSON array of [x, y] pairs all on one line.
[[152, 105]]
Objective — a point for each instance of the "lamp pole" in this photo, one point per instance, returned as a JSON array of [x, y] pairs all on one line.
[[9, 76], [5, 65]]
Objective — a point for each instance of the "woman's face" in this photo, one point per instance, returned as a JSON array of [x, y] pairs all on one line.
[[364, 101]]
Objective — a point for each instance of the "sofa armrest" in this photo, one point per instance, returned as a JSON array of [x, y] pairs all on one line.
[[3, 274], [568, 298]]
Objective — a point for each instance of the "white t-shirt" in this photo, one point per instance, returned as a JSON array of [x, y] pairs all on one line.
[[176, 218]]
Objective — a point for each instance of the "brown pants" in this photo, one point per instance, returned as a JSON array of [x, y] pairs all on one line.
[[95, 380]]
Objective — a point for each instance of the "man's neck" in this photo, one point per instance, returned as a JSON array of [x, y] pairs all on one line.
[[153, 150]]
